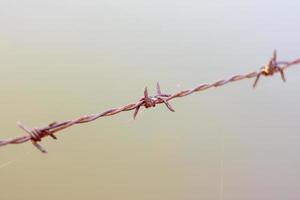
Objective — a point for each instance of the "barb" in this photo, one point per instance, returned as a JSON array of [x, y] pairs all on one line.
[[269, 69], [35, 135]]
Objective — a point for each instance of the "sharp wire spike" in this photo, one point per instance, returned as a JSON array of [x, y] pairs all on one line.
[[136, 112], [146, 93], [158, 88], [167, 104], [38, 146], [282, 74], [256, 80], [53, 136], [274, 55]]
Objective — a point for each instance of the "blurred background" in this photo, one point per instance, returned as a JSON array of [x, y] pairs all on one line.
[[61, 59]]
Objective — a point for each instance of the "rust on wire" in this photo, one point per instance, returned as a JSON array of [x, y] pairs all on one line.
[[268, 70], [35, 135], [149, 101]]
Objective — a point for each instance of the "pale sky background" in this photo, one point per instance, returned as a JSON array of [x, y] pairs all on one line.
[[61, 59]]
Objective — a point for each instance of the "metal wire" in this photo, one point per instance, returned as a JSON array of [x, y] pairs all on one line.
[[35, 135]]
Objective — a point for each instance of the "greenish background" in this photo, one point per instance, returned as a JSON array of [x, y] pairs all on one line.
[[61, 59]]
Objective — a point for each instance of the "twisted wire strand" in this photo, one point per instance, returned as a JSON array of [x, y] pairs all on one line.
[[35, 135]]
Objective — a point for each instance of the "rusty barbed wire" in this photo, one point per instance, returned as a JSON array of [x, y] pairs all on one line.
[[35, 135]]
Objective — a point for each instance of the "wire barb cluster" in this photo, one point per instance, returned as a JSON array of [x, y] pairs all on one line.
[[35, 135], [149, 101], [272, 67]]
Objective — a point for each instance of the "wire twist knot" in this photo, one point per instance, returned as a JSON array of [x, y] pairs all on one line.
[[36, 135], [270, 69], [151, 101]]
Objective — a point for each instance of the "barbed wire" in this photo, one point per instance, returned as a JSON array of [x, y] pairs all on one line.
[[35, 135]]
